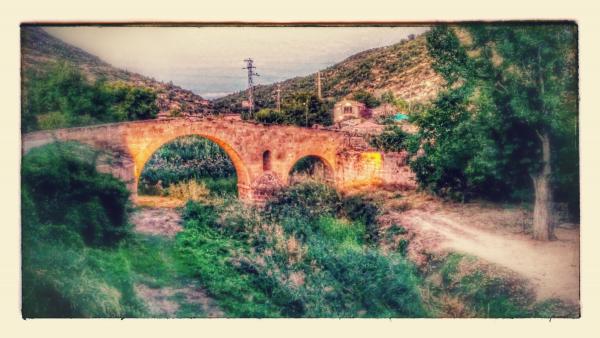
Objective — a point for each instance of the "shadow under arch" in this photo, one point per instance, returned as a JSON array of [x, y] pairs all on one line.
[[310, 165], [243, 177]]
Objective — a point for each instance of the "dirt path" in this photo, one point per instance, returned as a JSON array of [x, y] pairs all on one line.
[[157, 221], [552, 267], [185, 299]]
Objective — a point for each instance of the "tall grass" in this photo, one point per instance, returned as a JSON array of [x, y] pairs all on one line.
[[286, 261], [73, 219]]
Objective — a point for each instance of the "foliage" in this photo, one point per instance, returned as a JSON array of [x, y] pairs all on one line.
[[185, 159], [189, 190], [479, 137], [491, 294], [132, 103], [270, 116], [62, 182], [308, 199], [73, 219], [301, 108], [391, 139], [398, 103], [285, 262], [367, 98], [60, 96]]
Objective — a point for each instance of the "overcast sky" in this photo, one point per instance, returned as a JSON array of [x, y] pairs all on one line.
[[209, 60]]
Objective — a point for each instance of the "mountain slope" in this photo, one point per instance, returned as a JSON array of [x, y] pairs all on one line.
[[39, 49], [403, 68]]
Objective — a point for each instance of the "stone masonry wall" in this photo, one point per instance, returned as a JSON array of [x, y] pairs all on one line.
[[128, 146]]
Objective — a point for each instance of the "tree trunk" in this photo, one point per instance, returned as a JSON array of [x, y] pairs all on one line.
[[543, 228]]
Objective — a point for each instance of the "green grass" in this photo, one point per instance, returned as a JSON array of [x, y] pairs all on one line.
[[491, 294], [293, 265]]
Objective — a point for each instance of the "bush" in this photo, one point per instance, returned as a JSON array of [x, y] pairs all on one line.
[[53, 120], [367, 98], [256, 268], [64, 187], [357, 208], [184, 159], [308, 199], [67, 205], [373, 285], [189, 190], [393, 138], [59, 95], [270, 116]]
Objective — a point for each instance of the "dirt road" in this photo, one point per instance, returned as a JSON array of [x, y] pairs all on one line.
[[183, 298], [552, 267]]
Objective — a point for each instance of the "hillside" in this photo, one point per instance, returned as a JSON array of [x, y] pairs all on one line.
[[403, 68], [39, 49]]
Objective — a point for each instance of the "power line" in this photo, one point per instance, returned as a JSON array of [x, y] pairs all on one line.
[[319, 86], [250, 67], [279, 97]]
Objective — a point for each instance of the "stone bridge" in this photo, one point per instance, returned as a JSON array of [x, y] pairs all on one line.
[[263, 155]]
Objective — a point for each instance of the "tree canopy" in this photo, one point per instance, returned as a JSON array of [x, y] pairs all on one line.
[[59, 96], [507, 88]]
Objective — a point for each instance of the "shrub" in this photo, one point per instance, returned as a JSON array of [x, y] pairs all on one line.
[[189, 190], [59, 95], [53, 120], [393, 138], [187, 158], [67, 205], [255, 268], [371, 285], [367, 98], [308, 199], [64, 187], [269, 116], [358, 208]]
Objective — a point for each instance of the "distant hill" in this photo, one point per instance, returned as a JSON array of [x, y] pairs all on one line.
[[39, 49], [403, 68]]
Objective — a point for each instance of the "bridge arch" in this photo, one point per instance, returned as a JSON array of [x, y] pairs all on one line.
[[243, 177], [328, 168]]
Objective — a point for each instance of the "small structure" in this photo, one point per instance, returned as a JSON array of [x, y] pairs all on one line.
[[348, 110]]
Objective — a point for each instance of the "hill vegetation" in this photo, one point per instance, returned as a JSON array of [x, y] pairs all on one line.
[[89, 87], [404, 69]]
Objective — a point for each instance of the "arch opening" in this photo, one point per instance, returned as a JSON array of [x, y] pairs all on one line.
[[310, 167], [190, 167], [266, 160]]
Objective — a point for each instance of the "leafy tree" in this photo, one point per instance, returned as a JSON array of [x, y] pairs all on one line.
[[301, 108], [507, 114], [391, 139], [270, 116], [305, 109], [61, 182], [59, 95], [133, 103], [367, 98]]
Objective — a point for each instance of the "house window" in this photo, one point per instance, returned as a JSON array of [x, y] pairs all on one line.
[[267, 160], [348, 110]]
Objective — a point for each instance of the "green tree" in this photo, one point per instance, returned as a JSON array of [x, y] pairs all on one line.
[[367, 98], [507, 114], [305, 109], [59, 95], [133, 103]]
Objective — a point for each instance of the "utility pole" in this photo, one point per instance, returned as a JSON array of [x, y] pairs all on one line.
[[306, 110], [250, 67], [279, 97], [319, 85]]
